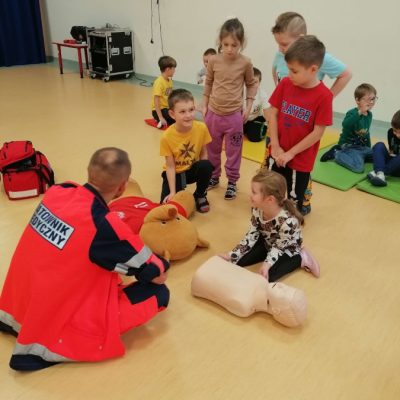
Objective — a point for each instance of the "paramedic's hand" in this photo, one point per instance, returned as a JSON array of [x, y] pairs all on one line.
[[264, 270], [160, 279], [276, 151], [283, 159], [225, 256]]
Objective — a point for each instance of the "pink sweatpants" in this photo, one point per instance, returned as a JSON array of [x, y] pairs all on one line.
[[230, 128]]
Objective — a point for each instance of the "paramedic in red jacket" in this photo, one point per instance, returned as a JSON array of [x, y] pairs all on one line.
[[63, 297]]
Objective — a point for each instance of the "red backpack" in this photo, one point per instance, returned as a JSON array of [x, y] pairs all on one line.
[[26, 172]]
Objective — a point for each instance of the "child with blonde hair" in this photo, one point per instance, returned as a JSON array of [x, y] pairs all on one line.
[[227, 74], [289, 27], [275, 236]]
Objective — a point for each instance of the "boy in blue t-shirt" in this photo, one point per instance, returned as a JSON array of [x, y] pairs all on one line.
[[288, 27]]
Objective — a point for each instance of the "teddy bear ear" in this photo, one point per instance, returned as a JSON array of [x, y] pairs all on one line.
[[164, 212], [172, 212]]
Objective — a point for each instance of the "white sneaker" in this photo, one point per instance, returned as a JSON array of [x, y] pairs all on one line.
[[381, 176], [309, 263], [377, 178]]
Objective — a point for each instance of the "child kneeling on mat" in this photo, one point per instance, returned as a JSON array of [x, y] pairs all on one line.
[[183, 145], [274, 236], [354, 146], [387, 162], [162, 87]]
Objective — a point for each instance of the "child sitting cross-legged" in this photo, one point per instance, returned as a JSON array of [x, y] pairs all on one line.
[[183, 145], [387, 162], [354, 146], [275, 236]]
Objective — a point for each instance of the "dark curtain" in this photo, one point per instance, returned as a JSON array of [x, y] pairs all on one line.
[[21, 34]]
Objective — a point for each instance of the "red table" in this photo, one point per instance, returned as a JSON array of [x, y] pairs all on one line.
[[76, 46]]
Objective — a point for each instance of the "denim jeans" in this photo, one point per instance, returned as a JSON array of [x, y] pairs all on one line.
[[385, 162], [353, 157]]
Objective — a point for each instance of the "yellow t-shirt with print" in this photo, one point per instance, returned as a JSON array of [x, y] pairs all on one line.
[[184, 147], [162, 88]]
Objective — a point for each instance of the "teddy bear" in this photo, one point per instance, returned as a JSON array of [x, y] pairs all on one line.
[[243, 292], [164, 228]]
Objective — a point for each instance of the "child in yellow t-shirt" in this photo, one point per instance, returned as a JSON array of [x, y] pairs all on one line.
[[162, 87], [184, 147]]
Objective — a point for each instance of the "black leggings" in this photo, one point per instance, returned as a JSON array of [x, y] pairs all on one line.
[[284, 265], [165, 114], [299, 179], [199, 173]]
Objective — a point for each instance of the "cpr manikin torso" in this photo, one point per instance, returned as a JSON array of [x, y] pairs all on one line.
[[243, 292]]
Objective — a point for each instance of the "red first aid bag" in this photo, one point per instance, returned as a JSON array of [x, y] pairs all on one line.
[[26, 172]]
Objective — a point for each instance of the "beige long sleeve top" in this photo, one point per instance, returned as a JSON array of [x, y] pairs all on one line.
[[225, 81]]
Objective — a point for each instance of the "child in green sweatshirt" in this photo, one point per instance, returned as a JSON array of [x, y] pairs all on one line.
[[354, 146]]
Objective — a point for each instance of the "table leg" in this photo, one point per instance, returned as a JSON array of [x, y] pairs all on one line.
[[86, 58], [80, 62], [60, 63]]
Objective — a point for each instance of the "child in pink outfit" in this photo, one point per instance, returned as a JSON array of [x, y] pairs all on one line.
[[227, 74]]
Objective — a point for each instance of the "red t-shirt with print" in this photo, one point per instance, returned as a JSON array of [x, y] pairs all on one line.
[[300, 110]]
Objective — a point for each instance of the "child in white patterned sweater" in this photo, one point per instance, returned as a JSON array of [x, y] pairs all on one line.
[[274, 236]]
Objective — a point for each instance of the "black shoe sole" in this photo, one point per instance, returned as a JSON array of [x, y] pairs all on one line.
[[7, 329], [29, 362]]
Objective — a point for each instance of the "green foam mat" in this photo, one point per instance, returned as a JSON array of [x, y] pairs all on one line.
[[389, 192], [331, 174]]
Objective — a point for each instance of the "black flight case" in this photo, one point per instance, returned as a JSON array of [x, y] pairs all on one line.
[[110, 53]]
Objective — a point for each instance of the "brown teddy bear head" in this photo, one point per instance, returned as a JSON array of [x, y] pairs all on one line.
[[170, 234]]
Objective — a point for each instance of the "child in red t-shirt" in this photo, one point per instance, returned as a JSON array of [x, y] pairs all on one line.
[[301, 109]]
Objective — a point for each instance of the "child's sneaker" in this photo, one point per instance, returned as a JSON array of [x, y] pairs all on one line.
[[309, 263], [202, 204], [377, 178], [230, 193], [29, 362], [306, 210], [7, 329], [214, 182], [330, 154]]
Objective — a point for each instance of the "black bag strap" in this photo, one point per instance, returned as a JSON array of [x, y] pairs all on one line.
[[49, 179]]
